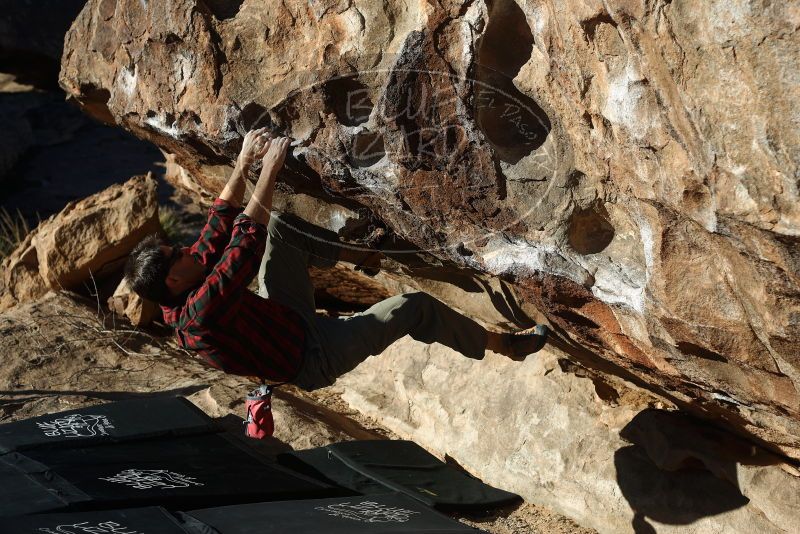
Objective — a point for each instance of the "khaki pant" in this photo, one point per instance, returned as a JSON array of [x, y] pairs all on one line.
[[336, 345]]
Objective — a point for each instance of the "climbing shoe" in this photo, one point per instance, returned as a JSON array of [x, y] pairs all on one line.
[[523, 344]]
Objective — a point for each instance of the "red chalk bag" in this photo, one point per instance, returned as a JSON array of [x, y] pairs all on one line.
[[259, 423]]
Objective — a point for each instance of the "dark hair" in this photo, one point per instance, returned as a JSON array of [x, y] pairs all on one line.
[[146, 270]]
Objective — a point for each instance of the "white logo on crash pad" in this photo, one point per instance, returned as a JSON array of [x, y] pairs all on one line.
[[152, 478], [368, 512], [85, 527], [76, 426]]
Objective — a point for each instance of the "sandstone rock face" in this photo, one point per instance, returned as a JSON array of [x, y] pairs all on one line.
[[588, 452], [626, 170], [89, 237]]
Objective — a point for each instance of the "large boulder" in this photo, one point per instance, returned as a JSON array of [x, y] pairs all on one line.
[[625, 170], [88, 238], [598, 454]]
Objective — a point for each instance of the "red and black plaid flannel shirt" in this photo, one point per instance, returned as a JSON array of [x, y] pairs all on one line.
[[229, 326]]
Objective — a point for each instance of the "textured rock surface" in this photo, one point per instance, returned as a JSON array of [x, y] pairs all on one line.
[[628, 169], [91, 237], [583, 450]]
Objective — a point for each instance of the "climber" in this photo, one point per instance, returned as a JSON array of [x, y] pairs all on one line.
[[277, 335]]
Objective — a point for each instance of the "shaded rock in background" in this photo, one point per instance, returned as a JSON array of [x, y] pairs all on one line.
[[179, 178], [32, 38], [124, 302], [638, 190], [51, 154], [560, 440], [32, 119], [91, 237]]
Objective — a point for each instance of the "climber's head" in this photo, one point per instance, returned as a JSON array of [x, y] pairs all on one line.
[[162, 273]]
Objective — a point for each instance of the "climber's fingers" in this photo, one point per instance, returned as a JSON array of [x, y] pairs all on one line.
[[262, 149]]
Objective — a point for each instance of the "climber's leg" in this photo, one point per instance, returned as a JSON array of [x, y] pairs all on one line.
[[345, 342], [293, 244]]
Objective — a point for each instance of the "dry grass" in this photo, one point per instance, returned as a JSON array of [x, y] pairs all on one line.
[[13, 229], [170, 223]]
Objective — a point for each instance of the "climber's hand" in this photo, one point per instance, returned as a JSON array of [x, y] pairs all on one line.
[[274, 156], [260, 203], [254, 146]]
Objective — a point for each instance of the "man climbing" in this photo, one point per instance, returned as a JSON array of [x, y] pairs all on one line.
[[277, 335]]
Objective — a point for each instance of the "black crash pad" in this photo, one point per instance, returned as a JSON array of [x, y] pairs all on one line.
[[135, 521], [375, 466], [189, 471], [373, 514], [112, 422]]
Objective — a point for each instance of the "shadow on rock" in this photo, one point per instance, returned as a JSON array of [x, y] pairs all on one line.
[[680, 469], [676, 498]]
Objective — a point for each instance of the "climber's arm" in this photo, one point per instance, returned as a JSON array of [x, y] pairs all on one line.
[[254, 146], [260, 204]]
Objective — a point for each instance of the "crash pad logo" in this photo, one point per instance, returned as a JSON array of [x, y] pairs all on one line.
[[85, 527], [76, 426], [368, 512], [152, 478]]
